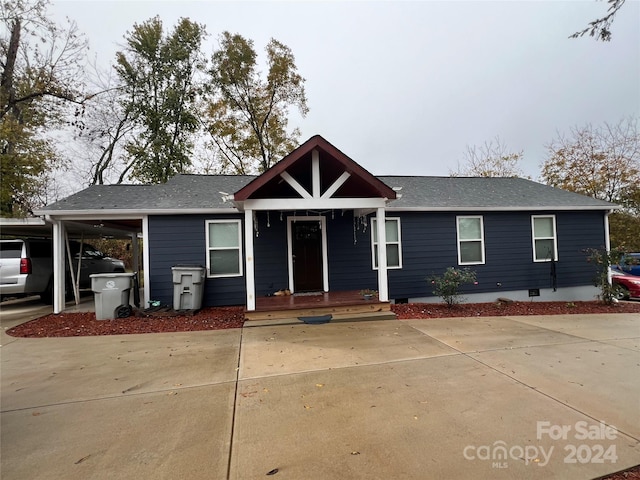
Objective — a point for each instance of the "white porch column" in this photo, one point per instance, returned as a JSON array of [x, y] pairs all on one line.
[[248, 260], [607, 242], [383, 284], [146, 261], [58, 266]]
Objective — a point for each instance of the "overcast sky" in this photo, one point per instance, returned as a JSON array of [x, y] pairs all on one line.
[[403, 87]]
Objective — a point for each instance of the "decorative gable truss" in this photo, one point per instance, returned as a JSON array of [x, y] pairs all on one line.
[[315, 176]]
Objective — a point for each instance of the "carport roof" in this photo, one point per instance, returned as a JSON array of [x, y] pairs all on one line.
[[200, 193]]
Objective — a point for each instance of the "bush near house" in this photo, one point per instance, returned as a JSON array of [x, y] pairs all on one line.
[[448, 284]]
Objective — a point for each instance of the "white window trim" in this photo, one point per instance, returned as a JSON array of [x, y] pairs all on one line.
[[239, 248], [554, 238], [481, 239], [399, 243]]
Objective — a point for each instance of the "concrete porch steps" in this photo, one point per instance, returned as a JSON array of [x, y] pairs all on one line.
[[337, 318]]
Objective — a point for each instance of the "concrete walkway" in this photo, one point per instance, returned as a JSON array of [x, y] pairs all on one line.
[[499, 397]]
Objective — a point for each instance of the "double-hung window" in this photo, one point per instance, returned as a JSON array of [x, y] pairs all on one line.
[[470, 240], [224, 248], [545, 240], [393, 242]]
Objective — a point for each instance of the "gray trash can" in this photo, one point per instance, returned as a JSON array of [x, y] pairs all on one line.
[[188, 286], [111, 292]]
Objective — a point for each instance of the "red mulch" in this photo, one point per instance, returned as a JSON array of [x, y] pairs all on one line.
[[79, 324], [440, 310], [215, 318]]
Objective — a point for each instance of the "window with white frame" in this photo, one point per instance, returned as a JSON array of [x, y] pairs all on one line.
[[393, 242], [224, 248], [545, 241], [470, 240]]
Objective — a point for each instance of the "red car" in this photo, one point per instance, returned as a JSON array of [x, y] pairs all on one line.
[[628, 285]]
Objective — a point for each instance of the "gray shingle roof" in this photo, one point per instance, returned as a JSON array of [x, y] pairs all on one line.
[[489, 193], [206, 192]]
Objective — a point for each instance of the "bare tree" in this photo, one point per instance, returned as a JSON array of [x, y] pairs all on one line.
[[602, 162], [601, 27], [491, 159]]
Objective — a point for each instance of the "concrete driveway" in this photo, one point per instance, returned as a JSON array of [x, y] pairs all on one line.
[[517, 397]]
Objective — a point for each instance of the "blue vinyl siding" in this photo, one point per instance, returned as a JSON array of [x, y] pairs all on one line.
[[349, 263], [175, 240], [349, 251], [270, 252], [429, 246]]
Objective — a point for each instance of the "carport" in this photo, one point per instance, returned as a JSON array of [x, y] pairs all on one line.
[[62, 228]]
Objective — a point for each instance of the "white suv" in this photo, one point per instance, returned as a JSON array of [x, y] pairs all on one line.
[[26, 266]]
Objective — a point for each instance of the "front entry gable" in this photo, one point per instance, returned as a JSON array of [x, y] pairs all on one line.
[[315, 170]]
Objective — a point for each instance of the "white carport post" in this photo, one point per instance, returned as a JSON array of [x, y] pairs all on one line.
[[248, 260], [146, 261], [383, 286], [58, 266]]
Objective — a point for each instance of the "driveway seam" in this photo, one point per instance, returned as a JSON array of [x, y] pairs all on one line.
[[112, 397], [235, 403]]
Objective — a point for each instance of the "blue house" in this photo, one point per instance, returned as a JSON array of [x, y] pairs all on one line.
[[316, 221]]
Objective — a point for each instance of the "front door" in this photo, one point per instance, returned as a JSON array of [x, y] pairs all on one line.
[[306, 256]]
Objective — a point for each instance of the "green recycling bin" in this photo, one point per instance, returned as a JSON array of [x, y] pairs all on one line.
[[111, 292], [188, 286]]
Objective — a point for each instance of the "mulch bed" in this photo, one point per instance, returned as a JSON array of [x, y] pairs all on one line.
[[439, 310], [78, 324], [216, 318]]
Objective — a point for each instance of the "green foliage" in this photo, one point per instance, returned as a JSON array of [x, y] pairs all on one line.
[[448, 284], [24, 160], [41, 62], [625, 230], [248, 115], [161, 94], [603, 260]]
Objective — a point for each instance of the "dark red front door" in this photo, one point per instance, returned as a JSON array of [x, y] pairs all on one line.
[[307, 256]]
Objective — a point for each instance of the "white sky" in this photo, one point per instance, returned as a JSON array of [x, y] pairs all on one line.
[[403, 87]]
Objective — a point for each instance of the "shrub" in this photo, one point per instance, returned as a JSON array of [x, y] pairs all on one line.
[[448, 284], [603, 261]]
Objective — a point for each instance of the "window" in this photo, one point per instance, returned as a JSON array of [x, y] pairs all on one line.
[[394, 246], [470, 240], [545, 243], [224, 248]]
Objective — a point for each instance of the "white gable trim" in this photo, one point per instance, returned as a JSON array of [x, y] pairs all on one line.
[[336, 185], [295, 185], [313, 203]]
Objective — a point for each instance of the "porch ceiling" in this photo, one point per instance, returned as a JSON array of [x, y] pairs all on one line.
[[38, 227]]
